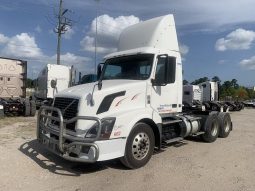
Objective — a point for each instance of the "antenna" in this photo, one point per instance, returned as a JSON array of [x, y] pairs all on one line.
[[97, 4]]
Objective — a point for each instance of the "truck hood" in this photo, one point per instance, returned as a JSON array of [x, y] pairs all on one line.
[[115, 97], [108, 87]]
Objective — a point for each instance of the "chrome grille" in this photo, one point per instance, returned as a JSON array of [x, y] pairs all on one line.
[[69, 109]]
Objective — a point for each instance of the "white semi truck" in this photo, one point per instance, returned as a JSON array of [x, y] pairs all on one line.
[[52, 79], [207, 94], [134, 107]]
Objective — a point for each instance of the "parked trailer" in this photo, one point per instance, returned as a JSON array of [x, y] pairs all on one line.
[[134, 108], [13, 75]]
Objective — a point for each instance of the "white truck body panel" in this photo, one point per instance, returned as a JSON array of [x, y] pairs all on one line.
[[210, 91], [159, 33], [60, 73], [12, 78], [192, 92]]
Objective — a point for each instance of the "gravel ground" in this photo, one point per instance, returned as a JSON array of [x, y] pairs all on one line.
[[227, 164]]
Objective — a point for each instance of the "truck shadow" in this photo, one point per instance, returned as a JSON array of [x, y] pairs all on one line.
[[57, 165]]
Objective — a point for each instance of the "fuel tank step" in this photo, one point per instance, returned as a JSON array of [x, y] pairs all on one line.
[[173, 140], [168, 122]]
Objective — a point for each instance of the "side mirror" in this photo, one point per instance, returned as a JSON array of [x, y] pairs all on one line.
[[153, 82], [53, 83], [158, 83]]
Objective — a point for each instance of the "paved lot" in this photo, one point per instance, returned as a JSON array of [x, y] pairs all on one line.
[[228, 164]]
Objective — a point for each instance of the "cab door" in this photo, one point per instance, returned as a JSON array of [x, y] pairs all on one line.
[[164, 88]]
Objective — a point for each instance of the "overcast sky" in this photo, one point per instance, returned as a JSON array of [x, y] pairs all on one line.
[[216, 37]]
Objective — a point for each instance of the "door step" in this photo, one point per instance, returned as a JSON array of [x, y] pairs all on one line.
[[198, 133], [173, 140]]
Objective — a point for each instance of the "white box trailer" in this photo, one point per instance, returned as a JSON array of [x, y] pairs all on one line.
[[63, 76], [13, 75], [134, 108]]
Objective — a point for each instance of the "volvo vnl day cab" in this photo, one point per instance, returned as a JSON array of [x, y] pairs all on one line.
[[134, 108]]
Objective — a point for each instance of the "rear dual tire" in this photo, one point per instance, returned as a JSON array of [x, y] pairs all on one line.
[[212, 128], [217, 125], [225, 124]]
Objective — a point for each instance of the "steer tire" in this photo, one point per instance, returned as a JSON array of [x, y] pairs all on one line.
[[32, 108], [26, 108], [139, 147], [225, 124], [211, 128]]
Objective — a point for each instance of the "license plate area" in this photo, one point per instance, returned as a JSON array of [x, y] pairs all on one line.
[[50, 143]]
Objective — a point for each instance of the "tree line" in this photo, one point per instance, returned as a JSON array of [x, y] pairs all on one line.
[[228, 89]]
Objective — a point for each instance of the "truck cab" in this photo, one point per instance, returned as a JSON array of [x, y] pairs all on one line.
[[134, 107]]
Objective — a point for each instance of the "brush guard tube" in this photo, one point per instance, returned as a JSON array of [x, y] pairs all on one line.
[[58, 146]]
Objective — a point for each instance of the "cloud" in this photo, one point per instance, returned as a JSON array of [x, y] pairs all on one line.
[[71, 59], [3, 39], [81, 63], [69, 33], [108, 31], [184, 49], [221, 62], [205, 15], [21, 45], [240, 39], [24, 46], [38, 29], [248, 63]]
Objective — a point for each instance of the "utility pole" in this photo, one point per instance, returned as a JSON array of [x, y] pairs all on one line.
[[59, 31], [63, 25]]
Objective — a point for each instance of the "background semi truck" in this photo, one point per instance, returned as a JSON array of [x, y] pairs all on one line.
[[207, 94], [134, 108], [13, 75], [53, 79]]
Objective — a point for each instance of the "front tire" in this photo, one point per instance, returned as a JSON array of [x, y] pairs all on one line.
[[26, 108], [211, 128], [139, 147], [32, 108]]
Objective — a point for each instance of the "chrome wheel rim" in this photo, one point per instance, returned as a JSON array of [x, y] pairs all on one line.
[[140, 146], [227, 126], [214, 130]]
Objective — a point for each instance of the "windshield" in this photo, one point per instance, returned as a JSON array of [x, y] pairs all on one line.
[[135, 67]]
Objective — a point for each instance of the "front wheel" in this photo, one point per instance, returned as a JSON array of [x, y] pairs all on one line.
[[139, 147]]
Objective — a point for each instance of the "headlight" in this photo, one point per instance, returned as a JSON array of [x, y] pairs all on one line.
[[106, 129]]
